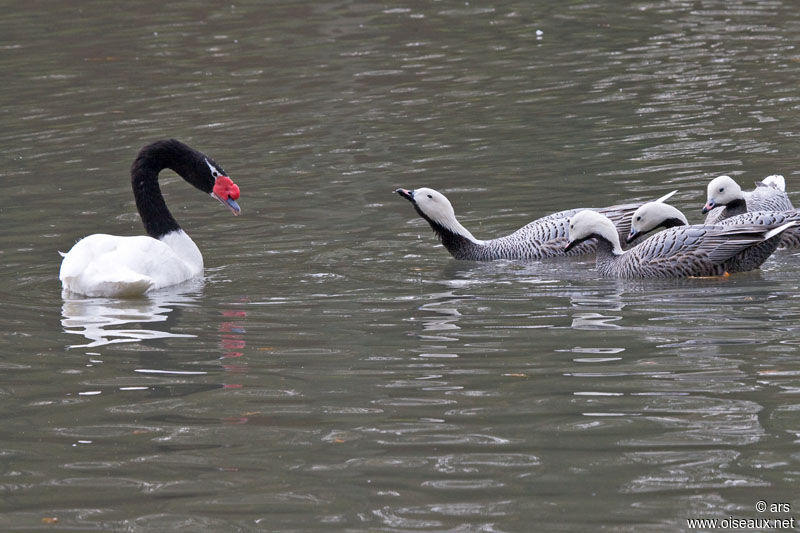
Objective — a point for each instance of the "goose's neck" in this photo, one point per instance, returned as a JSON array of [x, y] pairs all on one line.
[[157, 219], [608, 238], [607, 254], [736, 207], [456, 238]]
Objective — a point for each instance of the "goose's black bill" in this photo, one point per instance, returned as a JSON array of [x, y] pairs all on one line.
[[405, 193]]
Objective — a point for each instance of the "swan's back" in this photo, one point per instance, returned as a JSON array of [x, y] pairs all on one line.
[[102, 265]]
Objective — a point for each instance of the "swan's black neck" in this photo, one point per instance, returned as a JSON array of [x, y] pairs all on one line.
[[186, 162]]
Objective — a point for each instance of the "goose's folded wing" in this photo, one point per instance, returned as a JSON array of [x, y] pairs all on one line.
[[724, 242]]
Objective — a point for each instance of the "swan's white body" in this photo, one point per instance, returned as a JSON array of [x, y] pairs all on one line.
[[103, 265]]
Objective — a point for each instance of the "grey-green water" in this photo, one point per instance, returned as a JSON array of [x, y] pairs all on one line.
[[335, 369]]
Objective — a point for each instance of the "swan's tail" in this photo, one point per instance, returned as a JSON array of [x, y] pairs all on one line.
[[122, 283], [109, 289]]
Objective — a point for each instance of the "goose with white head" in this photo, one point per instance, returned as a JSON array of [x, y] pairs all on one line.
[[116, 266], [725, 198], [652, 216], [543, 238], [680, 251]]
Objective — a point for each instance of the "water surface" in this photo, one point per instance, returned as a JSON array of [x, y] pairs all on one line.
[[336, 369]]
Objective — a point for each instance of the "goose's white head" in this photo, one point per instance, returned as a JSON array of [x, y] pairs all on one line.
[[722, 190], [654, 215], [589, 224], [434, 207]]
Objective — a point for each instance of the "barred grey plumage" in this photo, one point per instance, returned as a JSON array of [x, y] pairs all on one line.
[[676, 252], [653, 215], [544, 237], [789, 238], [725, 198]]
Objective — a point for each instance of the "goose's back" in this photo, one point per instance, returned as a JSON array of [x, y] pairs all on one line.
[[789, 238], [696, 251], [544, 237], [549, 235], [674, 252], [767, 198]]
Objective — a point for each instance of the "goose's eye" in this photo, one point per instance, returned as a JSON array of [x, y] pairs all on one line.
[[638, 218], [721, 189], [430, 196]]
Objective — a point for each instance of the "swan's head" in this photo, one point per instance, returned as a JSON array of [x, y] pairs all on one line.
[[589, 224], [434, 207], [654, 215], [193, 166], [223, 189], [722, 190]]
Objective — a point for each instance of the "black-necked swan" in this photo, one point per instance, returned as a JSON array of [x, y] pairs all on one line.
[[677, 252], [544, 237], [111, 265], [725, 198]]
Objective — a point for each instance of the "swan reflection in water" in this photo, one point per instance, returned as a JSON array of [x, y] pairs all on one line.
[[103, 321]]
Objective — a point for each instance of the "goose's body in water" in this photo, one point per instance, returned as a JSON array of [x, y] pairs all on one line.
[[111, 265], [654, 215], [544, 237], [725, 198], [680, 251]]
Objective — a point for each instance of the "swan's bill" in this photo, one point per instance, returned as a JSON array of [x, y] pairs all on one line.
[[230, 203], [226, 191]]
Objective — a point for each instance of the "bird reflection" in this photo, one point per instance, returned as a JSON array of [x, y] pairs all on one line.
[[232, 338], [103, 321], [445, 317]]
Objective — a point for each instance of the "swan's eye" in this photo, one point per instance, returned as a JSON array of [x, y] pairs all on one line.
[[214, 172], [430, 196], [638, 218], [721, 189]]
